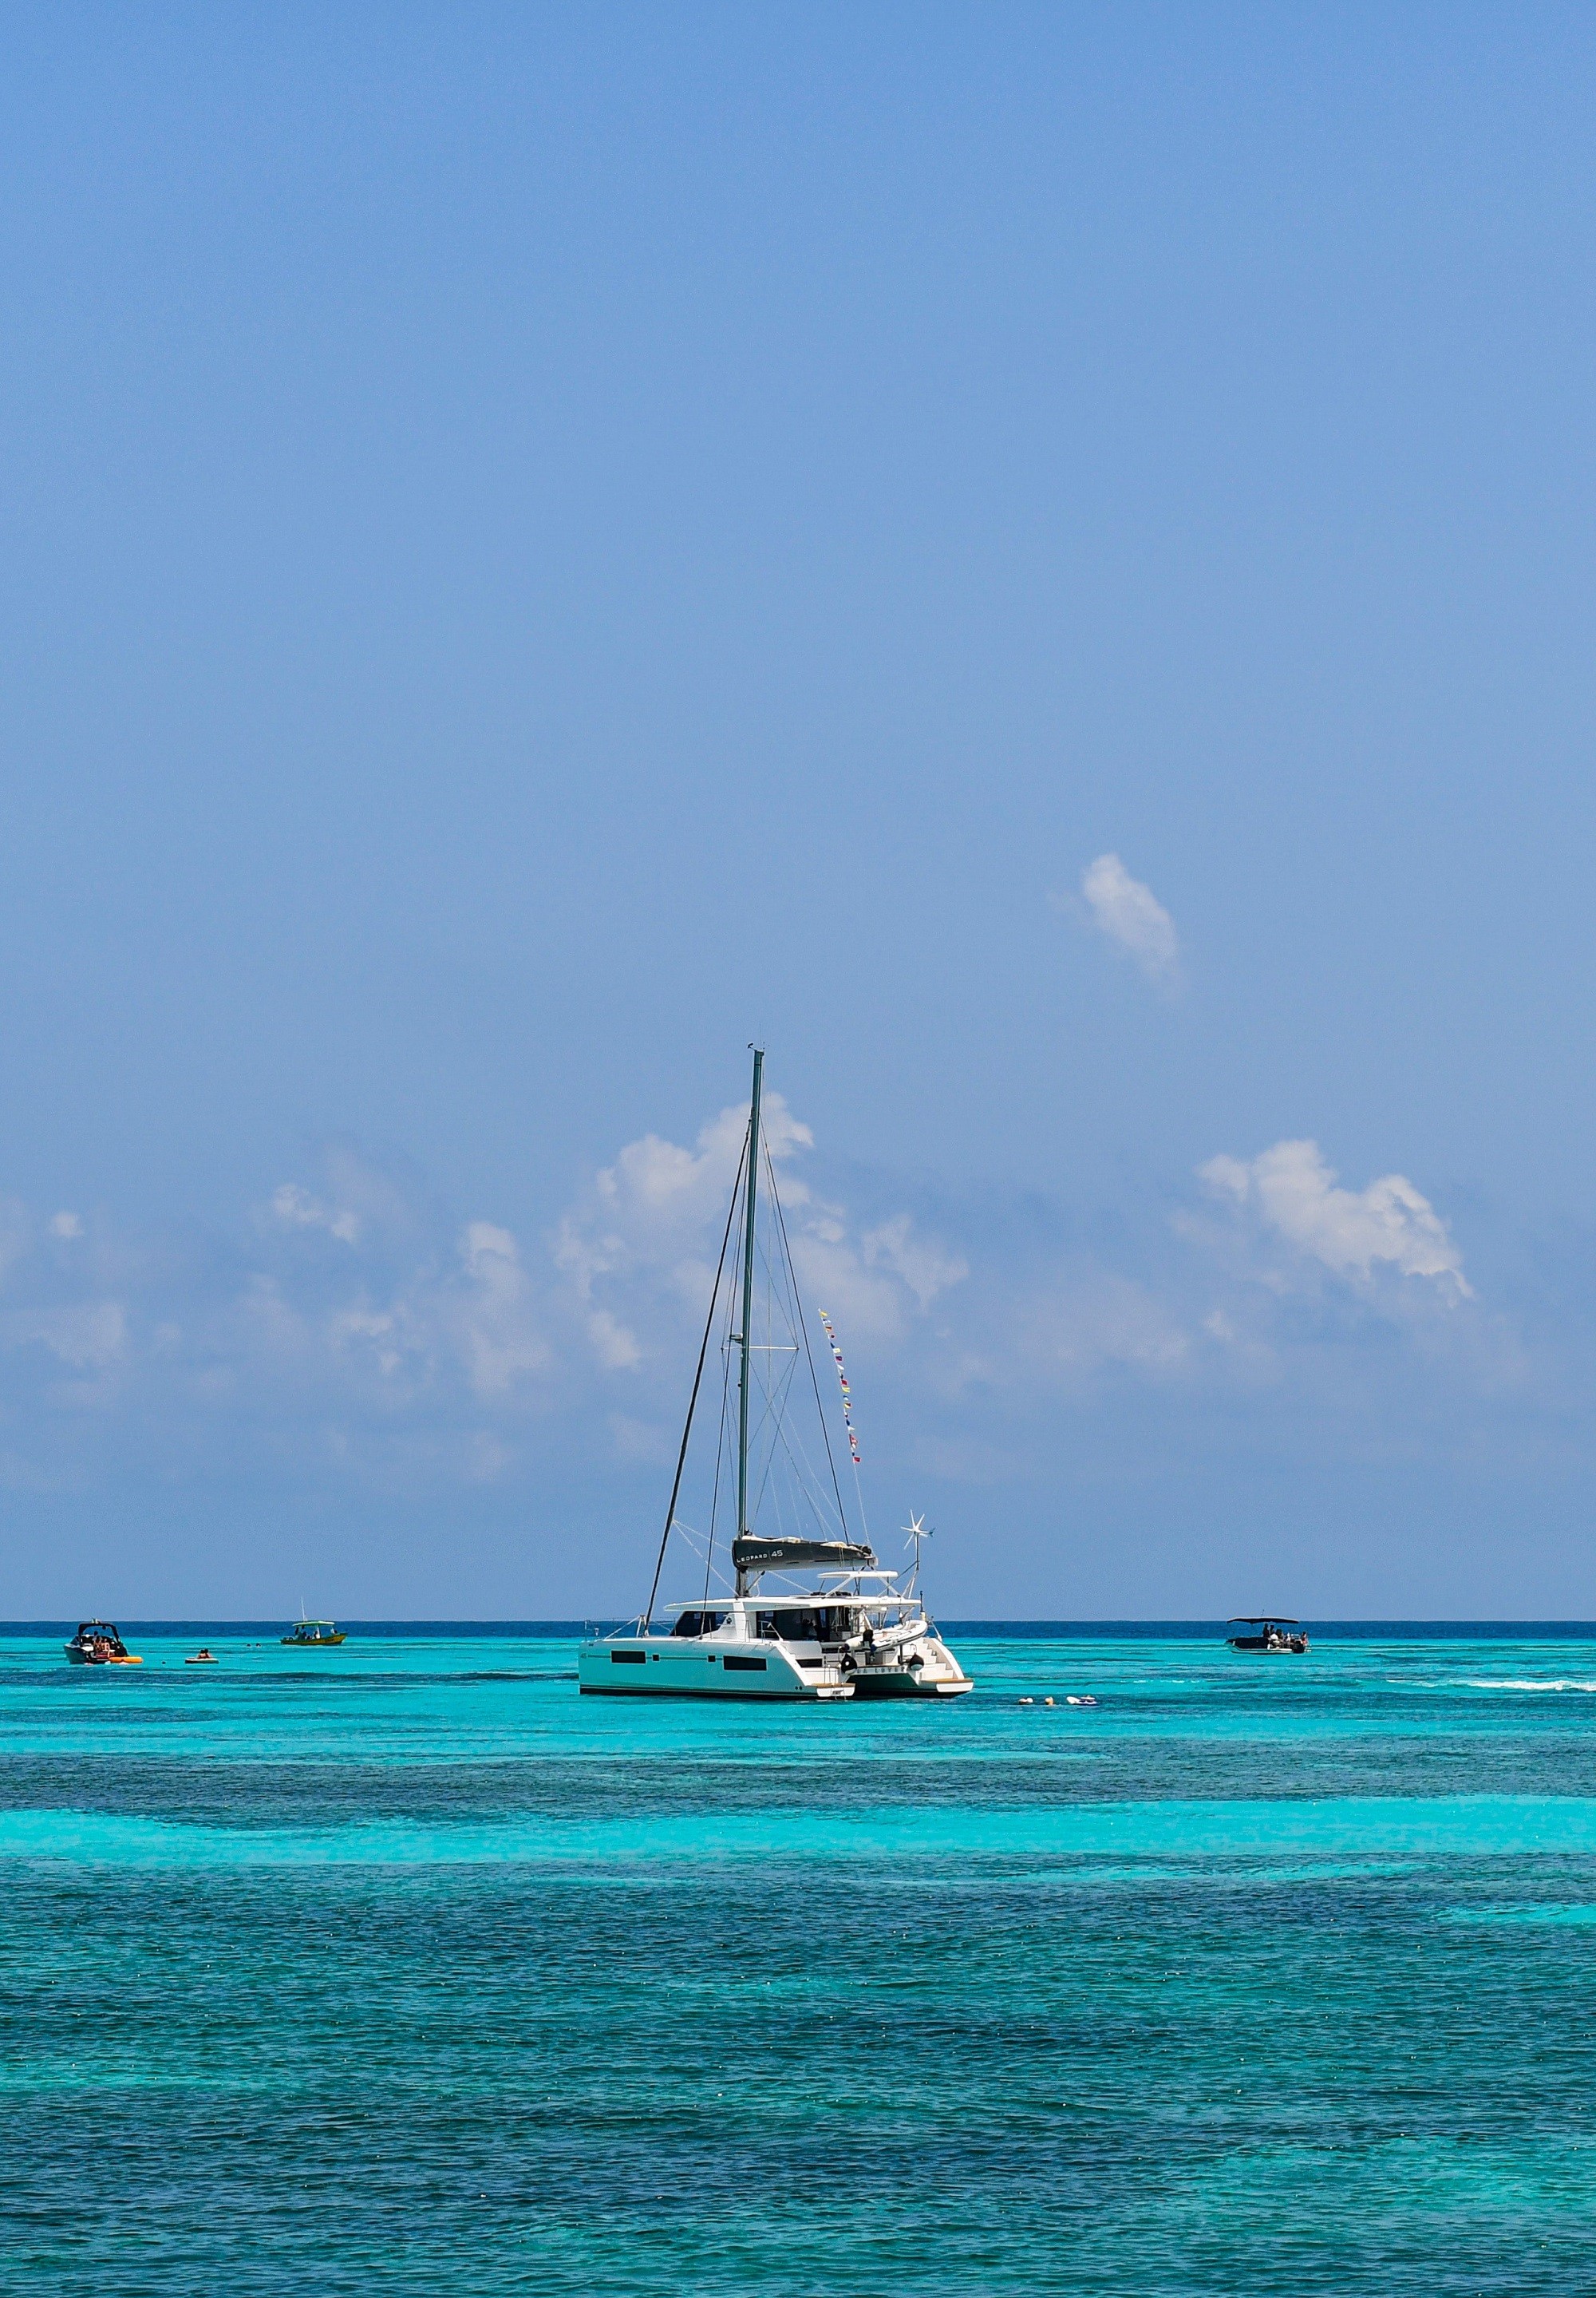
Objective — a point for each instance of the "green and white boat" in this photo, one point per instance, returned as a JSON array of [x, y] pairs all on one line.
[[317, 1632], [806, 1611]]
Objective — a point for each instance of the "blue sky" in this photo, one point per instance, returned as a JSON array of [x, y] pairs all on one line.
[[1037, 561]]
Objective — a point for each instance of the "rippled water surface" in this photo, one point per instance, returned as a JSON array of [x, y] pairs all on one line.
[[401, 1968]]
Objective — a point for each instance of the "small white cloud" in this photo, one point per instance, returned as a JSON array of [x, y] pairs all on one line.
[[924, 1267], [377, 1329], [1130, 915], [654, 1184], [498, 1329], [295, 1208], [1293, 1192], [476, 1316], [65, 1225], [868, 1303], [616, 1347], [642, 1227], [90, 1337]]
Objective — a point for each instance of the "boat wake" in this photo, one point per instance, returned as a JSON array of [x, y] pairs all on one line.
[[1526, 1683]]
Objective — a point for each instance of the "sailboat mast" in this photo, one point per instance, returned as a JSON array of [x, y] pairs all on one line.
[[746, 1336]]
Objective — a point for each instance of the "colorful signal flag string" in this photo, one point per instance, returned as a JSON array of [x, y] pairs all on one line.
[[847, 1391]]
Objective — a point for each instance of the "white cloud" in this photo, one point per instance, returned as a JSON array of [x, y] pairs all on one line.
[[494, 1319], [399, 1337], [295, 1208], [89, 1337], [653, 1181], [641, 1248], [1130, 914], [65, 1225], [924, 1267], [865, 1303], [355, 1327], [1293, 1192], [615, 1344], [649, 1219], [382, 1330], [649, 1213]]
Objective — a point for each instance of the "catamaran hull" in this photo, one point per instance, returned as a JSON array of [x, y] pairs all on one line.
[[907, 1683], [637, 1671]]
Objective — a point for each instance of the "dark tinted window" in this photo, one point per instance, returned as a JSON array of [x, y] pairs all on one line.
[[814, 1624], [698, 1624]]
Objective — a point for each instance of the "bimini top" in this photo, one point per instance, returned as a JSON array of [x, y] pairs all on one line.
[[1261, 1620], [750, 1555]]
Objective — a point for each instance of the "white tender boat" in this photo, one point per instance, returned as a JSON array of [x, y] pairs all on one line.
[[810, 1613]]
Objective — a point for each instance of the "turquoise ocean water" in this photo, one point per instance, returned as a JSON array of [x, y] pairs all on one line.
[[400, 1968]]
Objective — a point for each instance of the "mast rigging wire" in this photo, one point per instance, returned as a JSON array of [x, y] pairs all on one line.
[[803, 1324], [681, 1457], [708, 1553]]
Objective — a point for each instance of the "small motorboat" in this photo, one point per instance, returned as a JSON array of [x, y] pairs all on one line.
[[97, 1644], [1270, 1634], [204, 1658], [315, 1632]]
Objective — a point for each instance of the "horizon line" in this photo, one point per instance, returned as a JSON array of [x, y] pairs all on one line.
[[571, 1625]]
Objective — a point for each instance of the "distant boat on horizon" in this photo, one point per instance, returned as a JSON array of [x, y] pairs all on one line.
[[314, 1632], [811, 1613], [1274, 1634]]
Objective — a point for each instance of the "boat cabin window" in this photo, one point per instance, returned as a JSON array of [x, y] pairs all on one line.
[[698, 1624], [815, 1623]]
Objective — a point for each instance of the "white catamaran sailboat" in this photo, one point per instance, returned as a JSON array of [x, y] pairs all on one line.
[[810, 1613]]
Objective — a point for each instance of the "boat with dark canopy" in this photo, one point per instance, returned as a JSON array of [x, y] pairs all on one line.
[[1270, 1633], [97, 1644]]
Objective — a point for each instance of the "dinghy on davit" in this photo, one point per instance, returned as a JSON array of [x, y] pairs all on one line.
[[809, 1613]]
